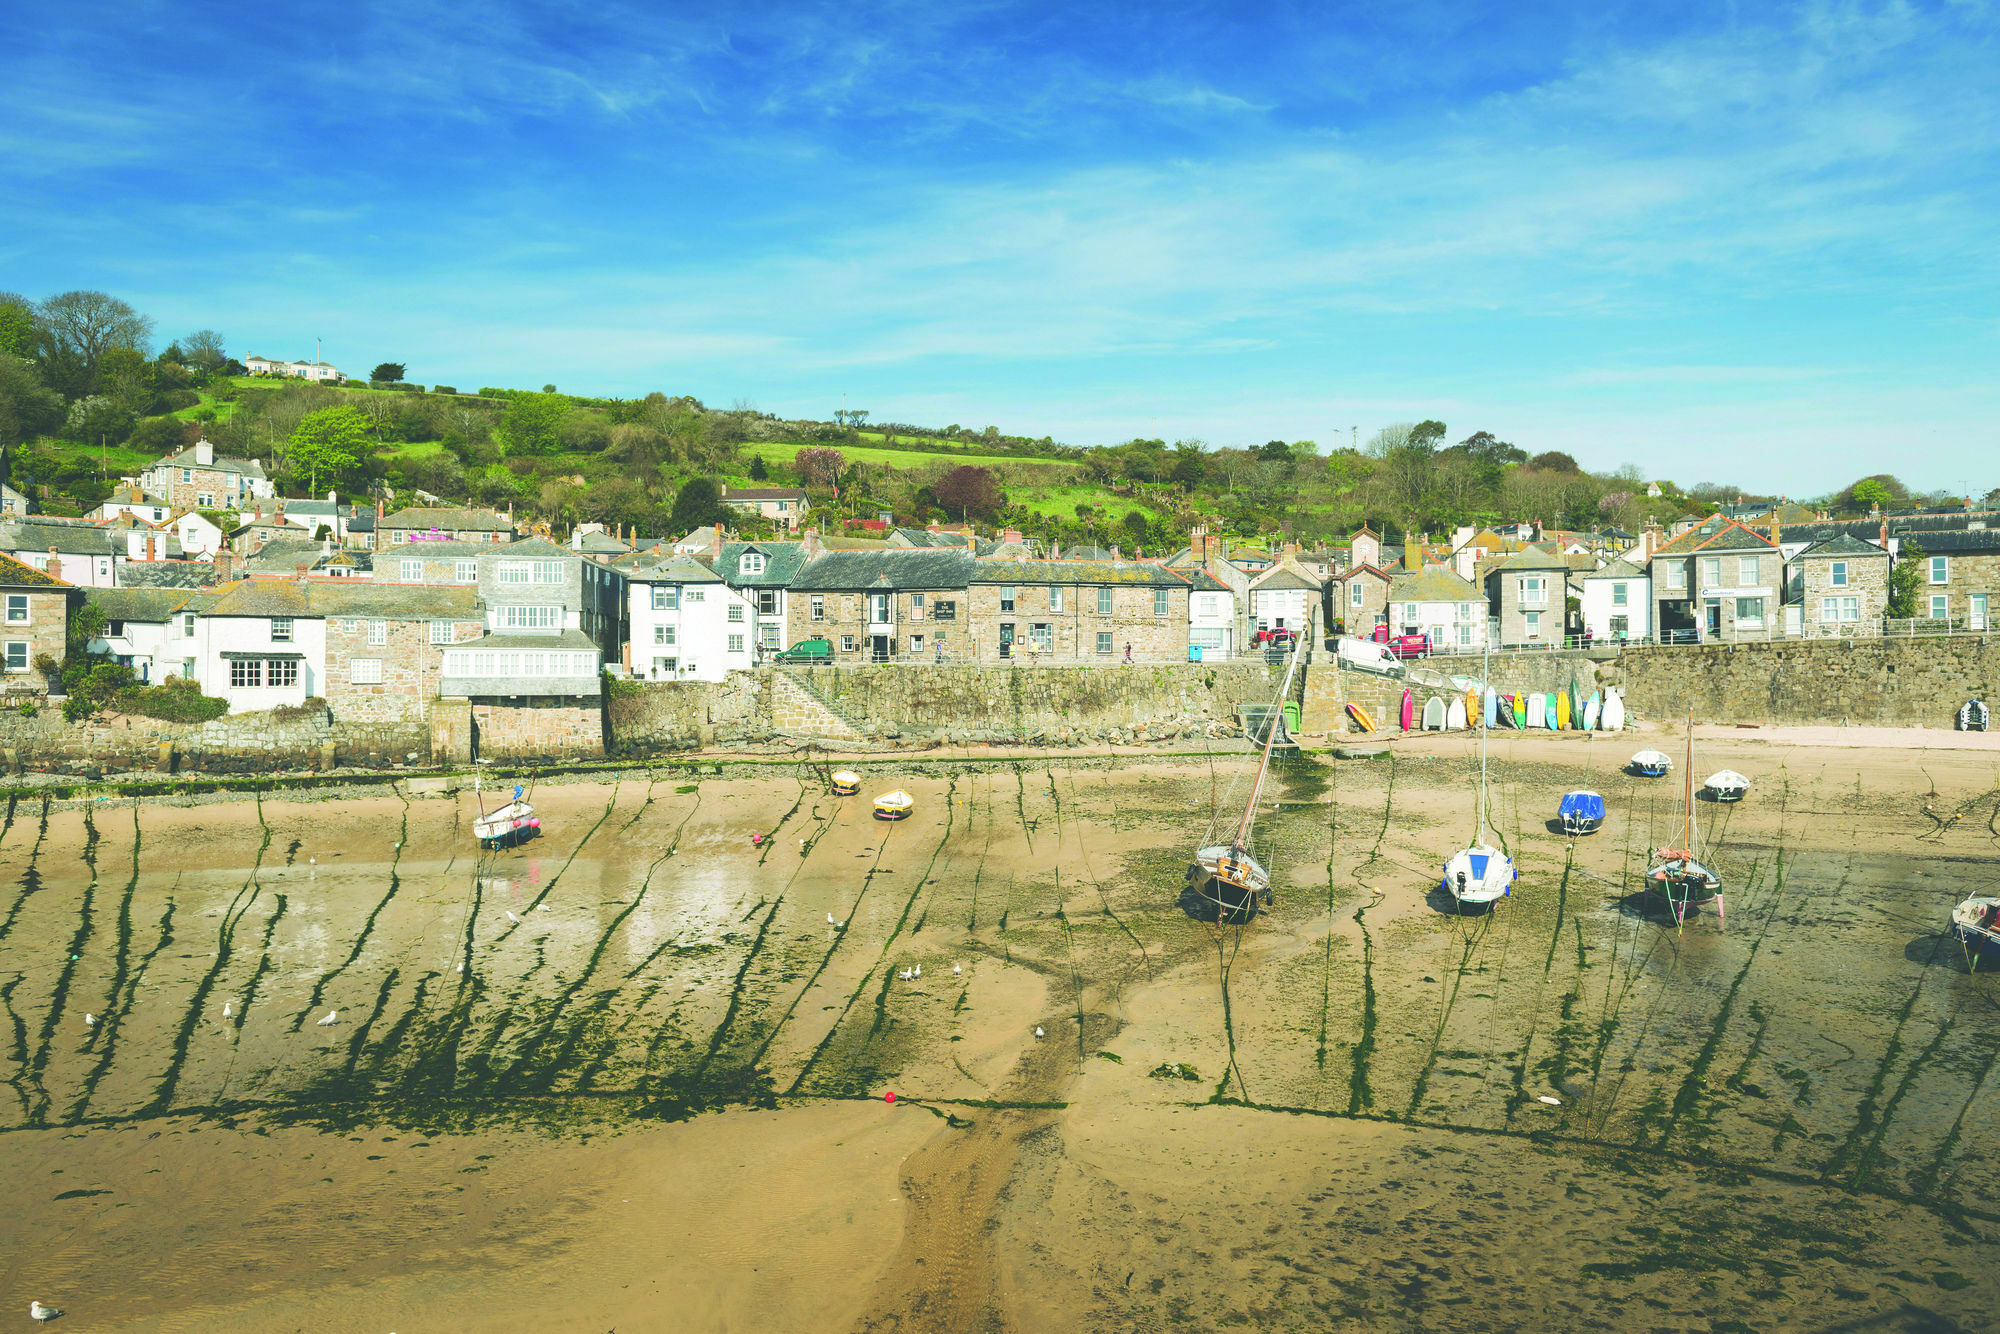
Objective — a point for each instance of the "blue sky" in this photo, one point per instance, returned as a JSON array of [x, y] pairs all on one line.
[[1732, 243]]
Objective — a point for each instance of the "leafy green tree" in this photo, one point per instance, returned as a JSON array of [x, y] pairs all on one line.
[[1190, 468], [390, 371], [1554, 461], [758, 471], [698, 504], [77, 330], [534, 422], [28, 408], [327, 443], [1906, 577], [17, 327], [159, 435], [97, 419], [1871, 493]]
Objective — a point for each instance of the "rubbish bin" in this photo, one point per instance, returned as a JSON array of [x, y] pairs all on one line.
[[1194, 653], [1292, 716]]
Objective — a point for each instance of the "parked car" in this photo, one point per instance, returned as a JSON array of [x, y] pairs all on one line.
[[814, 650], [1410, 646], [1277, 635]]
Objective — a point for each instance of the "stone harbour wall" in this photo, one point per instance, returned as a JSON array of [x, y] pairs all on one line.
[[1894, 682], [235, 743]]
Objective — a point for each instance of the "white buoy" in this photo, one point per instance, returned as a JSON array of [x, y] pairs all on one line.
[[312, 861], [1553, 1102], [90, 1021], [37, 1311], [331, 1016], [1038, 1030]]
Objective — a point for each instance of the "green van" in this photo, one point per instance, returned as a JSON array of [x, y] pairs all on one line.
[[814, 650]]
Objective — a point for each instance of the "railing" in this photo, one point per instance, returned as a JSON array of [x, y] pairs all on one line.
[[1020, 657], [1873, 628]]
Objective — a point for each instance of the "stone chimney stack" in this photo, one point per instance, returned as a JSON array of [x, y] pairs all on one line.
[[304, 569], [715, 541], [55, 564], [204, 453], [809, 543]]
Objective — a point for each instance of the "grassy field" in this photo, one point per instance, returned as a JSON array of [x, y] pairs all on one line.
[[783, 452]]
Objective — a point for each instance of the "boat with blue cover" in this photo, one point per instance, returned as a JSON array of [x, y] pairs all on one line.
[[1581, 812]]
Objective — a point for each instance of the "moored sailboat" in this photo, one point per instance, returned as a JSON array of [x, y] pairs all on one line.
[[1481, 873], [1678, 875], [1226, 873]]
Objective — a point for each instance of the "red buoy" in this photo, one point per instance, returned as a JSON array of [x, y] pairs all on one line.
[[888, 1097]]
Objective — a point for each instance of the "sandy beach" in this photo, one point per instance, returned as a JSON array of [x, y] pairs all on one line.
[[630, 1075]]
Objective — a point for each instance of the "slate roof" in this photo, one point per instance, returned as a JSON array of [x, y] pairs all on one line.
[[1530, 558], [601, 544], [442, 550], [448, 518], [283, 555], [1433, 583], [1356, 571], [762, 493], [138, 604], [1948, 543], [186, 459], [855, 571], [166, 574], [537, 548], [359, 597], [568, 639], [1846, 544], [261, 597], [67, 539], [1716, 533], [669, 569], [1143, 573], [1619, 569], [782, 561], [1283, 575], [921, 537], [1204, 582], [14, 574]]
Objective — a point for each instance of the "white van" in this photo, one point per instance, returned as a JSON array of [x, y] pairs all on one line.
[[1368, 656]]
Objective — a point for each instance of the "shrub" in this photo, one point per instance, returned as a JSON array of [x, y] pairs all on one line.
[[443, 389], [176, 700], [27, 708], [310, 707]]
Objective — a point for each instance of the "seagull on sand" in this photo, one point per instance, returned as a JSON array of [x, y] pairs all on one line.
[[541, 907], [225, 1009], [510, 917], [37, 1311], [90, 1021], [331, 1017], [1038, 1031], [955, 970], [830, 921], [902, 975], [918, 971]]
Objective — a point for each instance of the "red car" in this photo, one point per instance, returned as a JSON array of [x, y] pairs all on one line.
[[1278, 635], [1410, 646]]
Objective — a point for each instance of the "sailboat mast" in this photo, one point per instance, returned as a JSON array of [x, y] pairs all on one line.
[[1687, 801], [1271, 724]]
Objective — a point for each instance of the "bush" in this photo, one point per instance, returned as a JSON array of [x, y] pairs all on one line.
[[176, 399], [310, 707], [443, 389], [27, 708], [176, 700]]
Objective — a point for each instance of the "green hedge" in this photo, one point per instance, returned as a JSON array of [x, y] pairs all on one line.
[[174, 700]]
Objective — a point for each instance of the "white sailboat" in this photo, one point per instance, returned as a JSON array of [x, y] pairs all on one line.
[[1481, 873]]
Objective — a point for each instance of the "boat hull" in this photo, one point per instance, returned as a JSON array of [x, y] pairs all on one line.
[[1231, 880], [1477, 875], [1683, 880], [516, 823]]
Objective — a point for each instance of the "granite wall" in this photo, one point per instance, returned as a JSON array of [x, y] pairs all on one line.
[[1895, 682]]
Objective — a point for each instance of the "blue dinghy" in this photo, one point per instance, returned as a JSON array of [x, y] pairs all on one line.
[[1581, 812]]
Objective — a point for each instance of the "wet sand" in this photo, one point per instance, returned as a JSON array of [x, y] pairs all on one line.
[[652, 1099]]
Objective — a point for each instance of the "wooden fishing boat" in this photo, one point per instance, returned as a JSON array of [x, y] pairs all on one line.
[[894, 805], [1226, 873], [846, 782]]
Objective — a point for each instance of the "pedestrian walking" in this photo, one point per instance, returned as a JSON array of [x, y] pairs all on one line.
[[1128, 653]]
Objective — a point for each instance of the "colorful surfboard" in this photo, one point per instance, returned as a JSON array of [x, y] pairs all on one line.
[[1590, 708], [1409, 709], [1520, 709], [1538, 710], [1360, 717], [1471, 706], [1490, 708], [1562, 711]]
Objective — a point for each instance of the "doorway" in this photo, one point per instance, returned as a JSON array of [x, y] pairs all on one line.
[[881, 647], [1006, 639]]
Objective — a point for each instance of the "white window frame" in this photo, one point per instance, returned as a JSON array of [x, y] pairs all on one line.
[[751, 562], [1534, 590], [378, 631], [1940, 569], [531, 617], [666, 597], [364, 671], [441, 632], [1748, 569], [1355, 594], [516, 572], [465, 571], [1620, 596], [1836, 574], [411, 571], [816, 607], [17, 609], [282, 630], [1105, 644], [1940, 606], [736, 643], [917, 607], [1161, 603], [17, 655], [1055, 599]]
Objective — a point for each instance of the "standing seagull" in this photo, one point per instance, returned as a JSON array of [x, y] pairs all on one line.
[[333, 1015], [37, 1311], [955, 970], [510, 917], [830, 921], [1038, 1030], [90, 1021], [918, 971], [225, 1009]]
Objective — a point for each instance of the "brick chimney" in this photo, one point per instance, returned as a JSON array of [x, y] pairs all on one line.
[[1777, 524], [55, 564], [715, 541], [225, 565], [809, 543], [304, 569]]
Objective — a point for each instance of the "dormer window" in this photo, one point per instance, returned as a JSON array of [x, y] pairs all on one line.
[[751, 563]]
